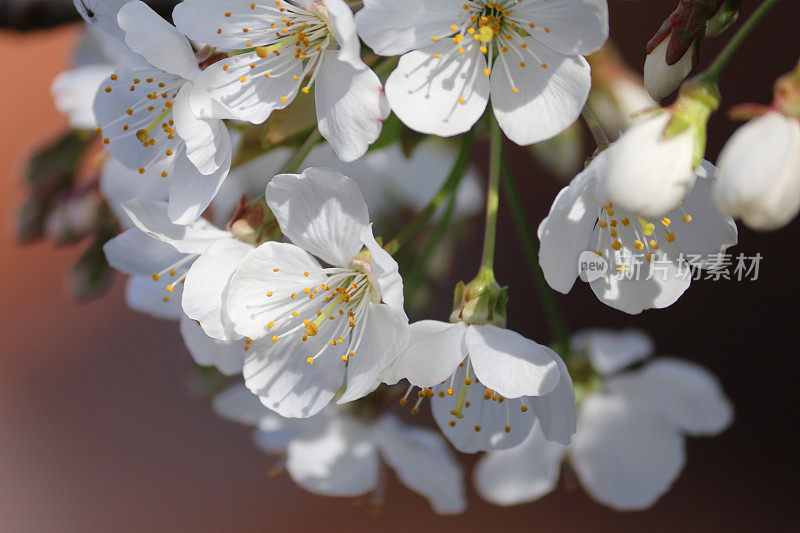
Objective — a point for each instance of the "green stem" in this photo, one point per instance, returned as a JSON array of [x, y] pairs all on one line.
[[452, 181], [714, 70], [492, 196], [600, 137], [555, 318], [293, 165]]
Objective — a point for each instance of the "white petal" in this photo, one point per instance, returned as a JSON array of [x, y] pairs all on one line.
[[205, 21], [433, 352], [226, 356], [423, 462], [145, 296], [572, 26], [426, 91], [484, 422], [138, 254], [102, 15], [248, 306], [351, 106], [74, 90], [385, 334], [659, 77], [522, 474], [709, 232], [759, 172], [120, 184], [321, 211], [208, 143], [556, 411], [626, 458], [635, 293], [286, 383], [510, 364], [384, 274], [190, 191], [343, 26], [551, 91], [339, 462], [646, 174], [149, 35], [610, 351], [238, 404], [151, 218], [219, 91], [566, 231], [392, 28], [274, 432], [205, 290], [688, 395]]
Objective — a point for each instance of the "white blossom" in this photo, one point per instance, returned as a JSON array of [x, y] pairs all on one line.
[[528, 55]]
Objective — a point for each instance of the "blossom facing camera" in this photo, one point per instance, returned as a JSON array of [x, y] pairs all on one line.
[[646, 257], [316, 328], [630, 443], [282, 48], [145, 120], [527, 55], [758, 178]]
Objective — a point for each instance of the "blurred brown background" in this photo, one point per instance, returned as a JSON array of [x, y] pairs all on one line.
[[98, 431]]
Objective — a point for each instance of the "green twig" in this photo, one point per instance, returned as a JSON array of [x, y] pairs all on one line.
[[492, 196], [293, 165], [450, 184]]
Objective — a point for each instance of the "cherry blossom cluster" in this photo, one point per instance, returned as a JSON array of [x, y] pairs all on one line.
[[275, 185]]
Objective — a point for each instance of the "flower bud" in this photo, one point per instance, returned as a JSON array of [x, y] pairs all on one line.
[[254, 224], [758, 177], [91, 276], [726, 15], [481, 301], [74, 218], [650, 169], [673, 52]]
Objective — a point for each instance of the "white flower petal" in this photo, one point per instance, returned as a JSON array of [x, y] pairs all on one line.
[[149, 35], [758, 178], [433, 352], [522, 474], [205, 290], [423, 462], [343, 26], [102, 15], [137, 254], [611, 351], [566, 26], [227, 357], [626, 458], [637, 293], [119, 184], [566, 231], [145, 296], [274, 432], [230, 88], [151, 218], [484, 422], [191, 192], [647, 174], [206, 21], [556, 411], [510, 364], [339, 462], [392, 28], [321, 211], [351, 105], [688, 395], [238, 404], [74, 90], [426, 92], [208, 143], [248, 306], [551, 91], [286, 383], [385, 334], [384, 274], [659, 77]]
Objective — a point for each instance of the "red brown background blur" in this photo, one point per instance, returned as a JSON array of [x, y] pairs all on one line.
[[98, 431]]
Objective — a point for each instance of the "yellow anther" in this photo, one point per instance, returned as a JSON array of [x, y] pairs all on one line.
[[686, 218], [670, 236], [639, 245], [666, 222]]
